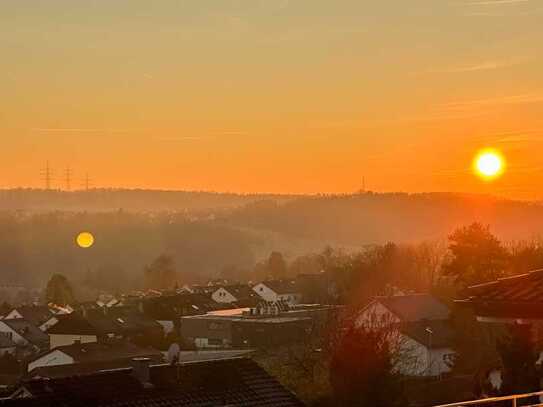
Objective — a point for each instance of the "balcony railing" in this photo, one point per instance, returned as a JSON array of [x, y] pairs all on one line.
[[514, 399]]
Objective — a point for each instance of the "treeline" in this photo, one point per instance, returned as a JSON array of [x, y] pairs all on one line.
[[137, 200], [34, 247], [361, 219], [471, 255]]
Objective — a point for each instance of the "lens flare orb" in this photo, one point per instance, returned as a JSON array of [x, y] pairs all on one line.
[[85, 240]]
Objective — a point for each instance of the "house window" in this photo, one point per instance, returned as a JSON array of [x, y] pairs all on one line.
[[8, 335], [214, 342]]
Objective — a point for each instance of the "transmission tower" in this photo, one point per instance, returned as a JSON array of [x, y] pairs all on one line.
[[68, 178], [46, 176], [87, 182]]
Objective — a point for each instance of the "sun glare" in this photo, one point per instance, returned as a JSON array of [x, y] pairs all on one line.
[[85, 240], [489, 164]]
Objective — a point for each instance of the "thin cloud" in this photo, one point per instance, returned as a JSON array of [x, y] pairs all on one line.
[[497, 101], [495, 2], [485, 66], [520, 139], [183, 138], [78, 130]]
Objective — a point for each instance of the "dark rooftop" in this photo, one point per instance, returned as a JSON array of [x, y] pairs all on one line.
[[27, 330], [415, 307], [35, 314], [441, 336], [519, 296], [232, 382], [105, 351], [78, 369], [73, 324], [282, 286]]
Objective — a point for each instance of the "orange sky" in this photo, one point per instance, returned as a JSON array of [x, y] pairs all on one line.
[[286, 96]]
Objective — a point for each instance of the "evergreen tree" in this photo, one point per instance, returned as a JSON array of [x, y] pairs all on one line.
[[59, 291]]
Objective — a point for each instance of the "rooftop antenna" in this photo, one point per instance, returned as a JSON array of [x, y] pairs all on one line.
[[46, 175]]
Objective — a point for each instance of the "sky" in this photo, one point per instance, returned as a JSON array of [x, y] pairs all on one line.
[[287, 96]]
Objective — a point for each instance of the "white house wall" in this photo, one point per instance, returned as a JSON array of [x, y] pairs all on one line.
[[417, 360], [54, 358], [64, 340], [267, 294], [5, 351], [48, 324], [14, 336], [13, 315], [376, 314], [167, 326], [222, 296]]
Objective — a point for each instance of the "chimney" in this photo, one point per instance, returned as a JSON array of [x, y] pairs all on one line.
[[141, 371]]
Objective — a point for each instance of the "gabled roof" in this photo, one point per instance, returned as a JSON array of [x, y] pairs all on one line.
[[175, 306], [73, 324], [240, 291], [519, 296], [78, 369], [520, 288], [282, 287], [415, 307], [436, 334], [130, 320], [29, 331], [245, 295], [236, 382], [104, 351], [35, 314]]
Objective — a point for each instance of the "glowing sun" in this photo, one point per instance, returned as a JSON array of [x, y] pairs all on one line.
[[85, 240], [489, 164]]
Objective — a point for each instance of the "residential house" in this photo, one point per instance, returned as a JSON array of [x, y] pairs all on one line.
[[26, 336], [77, 328], [279, 290], [234, 382], [40, 316], [168, 310], [94, 356], [424, 333], [240, 294], [100, 324], [515, 300], [133, 323], [403, 308], [7, 345]]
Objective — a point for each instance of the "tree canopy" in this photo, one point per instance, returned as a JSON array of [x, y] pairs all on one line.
[[161, 273], [59, 291], [362, 369], [476, 256]]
